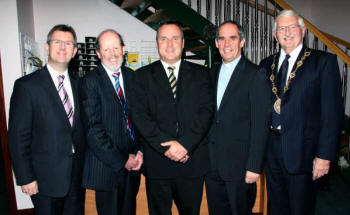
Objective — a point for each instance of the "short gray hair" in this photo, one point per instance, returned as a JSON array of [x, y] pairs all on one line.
[[285, 13], [241, 33]]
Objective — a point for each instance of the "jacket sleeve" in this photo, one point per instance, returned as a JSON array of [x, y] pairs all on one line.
[[141, 114], [331, 109], [98, 139], [260, 111], [201, 119], [19, 134]]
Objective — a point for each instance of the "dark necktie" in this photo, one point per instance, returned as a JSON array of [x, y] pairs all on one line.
[[172, 80], [282, 75], [124, 105], [65, 99], [280, 82]]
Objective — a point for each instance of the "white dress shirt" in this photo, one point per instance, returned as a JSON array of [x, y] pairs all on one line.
[[291, 61], [66, 82], [176, 70], [121, 80]]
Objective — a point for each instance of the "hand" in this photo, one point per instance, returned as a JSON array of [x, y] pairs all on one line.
[[320, 168], [184, 159], [139, 159], [251, 177], [131, 162], [176, 151], [30, 189]]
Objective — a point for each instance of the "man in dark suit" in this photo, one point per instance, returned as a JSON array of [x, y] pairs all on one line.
[[239, 133], [172, 108], [307, 114], [112, 157], [46, 138]]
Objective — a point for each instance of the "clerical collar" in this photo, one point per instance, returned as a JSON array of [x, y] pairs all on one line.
[[233, 63]]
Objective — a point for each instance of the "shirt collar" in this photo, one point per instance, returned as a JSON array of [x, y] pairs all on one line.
[[110, 72], [233, 63], [166, 65], [294, 54], [54, 74]]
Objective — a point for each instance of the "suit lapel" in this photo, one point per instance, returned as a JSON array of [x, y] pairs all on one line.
[[235, 77], [161, 78], [184, 79], [214, 75], [127, 81], [301, 54], [51, 89], [106, 82], [74, 86], [297, 74]]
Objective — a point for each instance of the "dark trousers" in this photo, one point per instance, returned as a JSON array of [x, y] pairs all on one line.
[[122, 199], [71, 204], [288, 194], [186, 193], [229, 197]]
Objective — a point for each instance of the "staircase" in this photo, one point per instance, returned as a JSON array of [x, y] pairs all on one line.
[[199, 19], [199, 32]]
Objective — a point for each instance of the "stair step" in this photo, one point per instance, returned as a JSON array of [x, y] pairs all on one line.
[[158, 16], [131, 3], [197, 48]]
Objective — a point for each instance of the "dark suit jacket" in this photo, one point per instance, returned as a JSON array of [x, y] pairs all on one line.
[[108, 140], [239, 133], [159, 118], [40, 136], [311, 111]]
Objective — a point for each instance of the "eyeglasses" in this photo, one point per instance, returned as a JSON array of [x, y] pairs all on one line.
[[289, 27], [59, 42]]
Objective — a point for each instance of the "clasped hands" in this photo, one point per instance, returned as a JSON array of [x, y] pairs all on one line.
[[134, 162], [176, 152]]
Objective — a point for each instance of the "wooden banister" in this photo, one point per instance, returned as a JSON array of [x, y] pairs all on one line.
[[271, 12], [320, 35]]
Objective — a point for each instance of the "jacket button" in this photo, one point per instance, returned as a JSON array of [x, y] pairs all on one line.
[[217, 122]]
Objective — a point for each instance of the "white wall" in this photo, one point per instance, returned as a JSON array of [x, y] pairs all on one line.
[[329, 16], [37, 17], [9, 46], [88, 18]]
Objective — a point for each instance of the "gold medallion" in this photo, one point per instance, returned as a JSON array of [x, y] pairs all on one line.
[[277, 106]]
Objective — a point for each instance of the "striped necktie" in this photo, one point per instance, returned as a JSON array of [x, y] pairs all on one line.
[[172, 80], [124, 105], [65, 99]]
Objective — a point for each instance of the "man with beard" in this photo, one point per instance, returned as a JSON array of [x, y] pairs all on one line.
[[112, 156], [306, 118]]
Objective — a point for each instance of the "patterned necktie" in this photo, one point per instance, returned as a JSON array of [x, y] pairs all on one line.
[[172, 80], [124, 105], [282, 74], [65, 99]]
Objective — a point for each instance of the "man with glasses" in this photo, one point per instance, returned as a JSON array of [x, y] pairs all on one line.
[[306, 118], [45, 133]]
